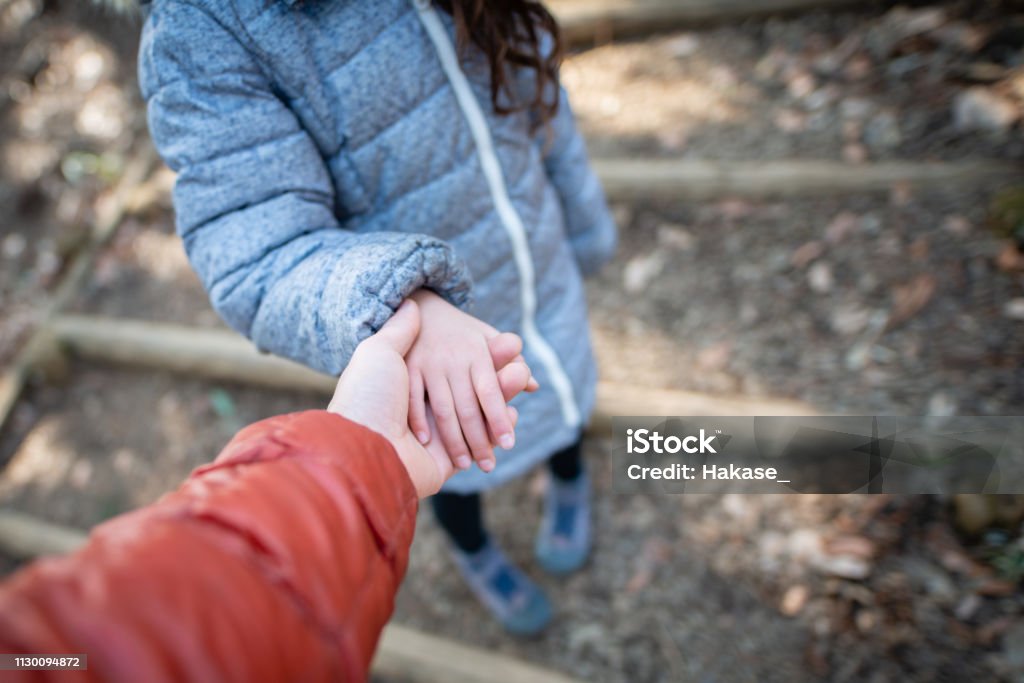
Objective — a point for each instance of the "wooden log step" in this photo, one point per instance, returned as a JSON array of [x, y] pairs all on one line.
[[224, 355]]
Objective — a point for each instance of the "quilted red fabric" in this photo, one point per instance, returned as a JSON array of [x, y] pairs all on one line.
[[277, 562]]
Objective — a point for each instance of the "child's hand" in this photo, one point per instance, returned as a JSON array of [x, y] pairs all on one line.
[[453, 362]]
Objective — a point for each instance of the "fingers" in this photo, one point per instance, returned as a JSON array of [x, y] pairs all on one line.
[[491, 397], [401, 330], [474, 429], [418, 423], [504, 348], [513, 378], [442, 405]]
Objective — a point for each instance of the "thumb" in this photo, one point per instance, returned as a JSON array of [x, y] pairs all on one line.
[[402, 329]]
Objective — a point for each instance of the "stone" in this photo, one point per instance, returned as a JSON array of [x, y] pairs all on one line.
[[1014, 309], [844, 566], [820, 278], [980, 109]]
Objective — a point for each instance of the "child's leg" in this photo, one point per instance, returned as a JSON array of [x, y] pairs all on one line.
[[563, 542], [461, 517], [514, 600], [567, 464]]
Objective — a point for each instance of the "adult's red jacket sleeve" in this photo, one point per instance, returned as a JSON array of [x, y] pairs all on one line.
[[277, 562]]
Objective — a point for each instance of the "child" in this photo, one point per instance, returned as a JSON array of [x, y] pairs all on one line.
[[337, 157]]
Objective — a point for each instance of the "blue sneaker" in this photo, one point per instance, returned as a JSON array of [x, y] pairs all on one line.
[[515, 601], [563, 541]]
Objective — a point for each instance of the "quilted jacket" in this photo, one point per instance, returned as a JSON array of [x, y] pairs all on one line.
[[278, 562], [334, 156]]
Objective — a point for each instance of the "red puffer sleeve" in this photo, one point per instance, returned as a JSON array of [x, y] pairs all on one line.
[[279, 561]]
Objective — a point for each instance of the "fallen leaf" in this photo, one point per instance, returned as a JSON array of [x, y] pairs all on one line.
[[805, 253], [1010, 259], [910, 298], [919, 249], [842, 226], [996, 588], [987, 634]]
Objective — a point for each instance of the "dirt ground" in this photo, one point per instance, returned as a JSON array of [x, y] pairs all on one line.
[[902, 303]]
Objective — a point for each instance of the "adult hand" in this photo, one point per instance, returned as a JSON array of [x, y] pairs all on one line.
[[374, 392]]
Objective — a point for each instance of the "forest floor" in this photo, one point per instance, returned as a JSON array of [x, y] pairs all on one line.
[[901, 303]]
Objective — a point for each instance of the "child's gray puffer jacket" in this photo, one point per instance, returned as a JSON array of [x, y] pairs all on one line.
[[335, 156]]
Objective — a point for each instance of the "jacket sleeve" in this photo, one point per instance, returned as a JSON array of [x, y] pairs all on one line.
[[590, 226], [280, 561], [255, 202]]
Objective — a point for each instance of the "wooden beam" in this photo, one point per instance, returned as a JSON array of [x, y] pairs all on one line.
[[25, 537], [402, 653], [668, 179], [597, 21], [408, 655], [213, 353], [625, 400], [226, 356]]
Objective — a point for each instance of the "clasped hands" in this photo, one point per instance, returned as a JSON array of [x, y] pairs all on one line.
[[436, 383]]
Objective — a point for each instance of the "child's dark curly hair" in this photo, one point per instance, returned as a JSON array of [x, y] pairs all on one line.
[[509, 32]]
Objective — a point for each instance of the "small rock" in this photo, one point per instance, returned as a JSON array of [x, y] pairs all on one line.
[[684, 45], [967, 607], [794, 599], [805, 544], [14, 246], [941, 404], [88, 69], [857, 357], [855, 108], [820, 98], [980, 109], [850, 319], [844, 566], [820, 278], [586, 635], [854, 546], [866, 620], [1014, 309], [641, 270], [676, 237], [801, 84]]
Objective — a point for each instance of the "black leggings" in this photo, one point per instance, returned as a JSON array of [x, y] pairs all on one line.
[[461, 516]]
